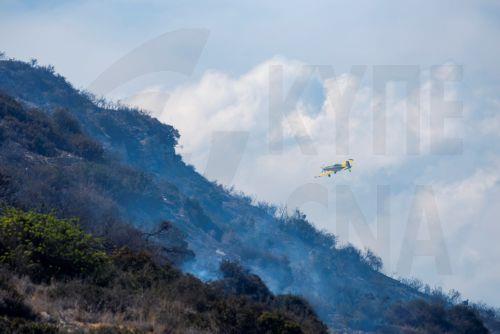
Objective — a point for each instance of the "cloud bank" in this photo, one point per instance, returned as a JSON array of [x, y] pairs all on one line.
[[227, 133]]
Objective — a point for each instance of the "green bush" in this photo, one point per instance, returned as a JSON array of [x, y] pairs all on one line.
[[44, 247]]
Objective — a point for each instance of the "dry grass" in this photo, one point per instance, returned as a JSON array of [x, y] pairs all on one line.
[[70, 315]]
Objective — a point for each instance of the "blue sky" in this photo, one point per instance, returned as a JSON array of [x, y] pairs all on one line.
[[229, 91]]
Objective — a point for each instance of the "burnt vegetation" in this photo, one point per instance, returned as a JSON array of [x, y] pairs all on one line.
[[87, 287]]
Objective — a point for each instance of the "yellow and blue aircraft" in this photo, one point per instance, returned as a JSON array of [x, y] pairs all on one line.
[[333, 169]]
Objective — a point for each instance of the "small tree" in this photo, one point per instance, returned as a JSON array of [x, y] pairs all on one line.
[[2, 55], [371, 259], [51, 69]]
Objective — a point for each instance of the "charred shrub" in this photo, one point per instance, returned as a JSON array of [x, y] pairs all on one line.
[[237, 280], [433, 317]]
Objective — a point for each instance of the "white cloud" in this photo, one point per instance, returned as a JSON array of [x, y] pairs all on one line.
[[464, 186]]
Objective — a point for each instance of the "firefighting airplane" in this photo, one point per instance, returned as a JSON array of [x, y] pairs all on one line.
[[333, 169]]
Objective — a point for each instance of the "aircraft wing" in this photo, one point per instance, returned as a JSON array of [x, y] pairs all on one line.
[[325, 173]]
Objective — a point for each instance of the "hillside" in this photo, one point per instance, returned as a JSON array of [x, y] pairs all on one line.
[[114, 167], [71, 283]]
